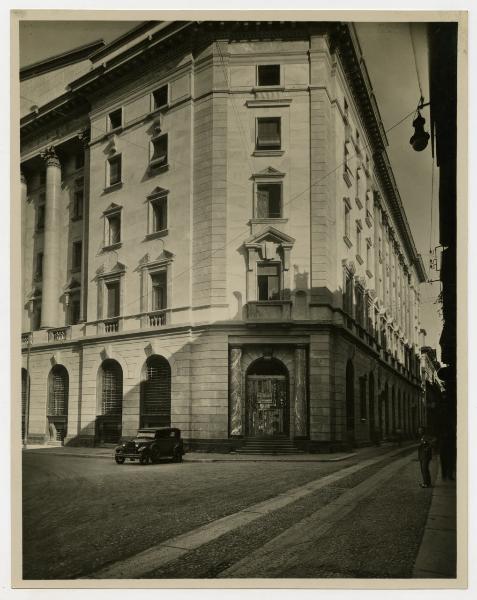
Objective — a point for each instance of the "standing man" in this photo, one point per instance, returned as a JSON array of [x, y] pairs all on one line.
[[425, 456]]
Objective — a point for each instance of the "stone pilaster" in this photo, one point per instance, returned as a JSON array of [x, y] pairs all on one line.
[[52, 235], [84, 137], [236, 392], [301, 412]]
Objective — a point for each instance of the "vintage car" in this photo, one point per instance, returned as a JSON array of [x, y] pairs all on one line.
[[152, 444]]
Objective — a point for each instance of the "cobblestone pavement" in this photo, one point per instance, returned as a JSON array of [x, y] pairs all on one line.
[[81, 515]]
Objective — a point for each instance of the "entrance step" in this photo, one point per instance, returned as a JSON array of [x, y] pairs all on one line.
[[269, 446]]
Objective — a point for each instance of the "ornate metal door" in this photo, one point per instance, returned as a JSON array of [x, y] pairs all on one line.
[[267, 406]]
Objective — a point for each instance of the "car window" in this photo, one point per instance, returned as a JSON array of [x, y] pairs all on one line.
[[145, 435]]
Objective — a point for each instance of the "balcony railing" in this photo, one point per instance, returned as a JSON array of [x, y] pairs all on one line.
[[60, 334], [111, 325], [26, 338], [158, 318]]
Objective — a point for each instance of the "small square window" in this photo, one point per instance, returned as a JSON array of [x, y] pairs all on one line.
[[77, 251], [40, 217], [78, 199], [268, 75], [159, 290], [115, 165], [160, 97], [115, 119], [269, 201], [159, 150], [269, 133], [113, 229]]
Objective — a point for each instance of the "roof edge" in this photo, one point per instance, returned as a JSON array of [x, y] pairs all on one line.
[[60, 60]]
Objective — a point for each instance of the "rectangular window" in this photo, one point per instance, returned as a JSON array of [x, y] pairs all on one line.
[[159, 150], [268, 282], [347, 220], [368, 255], [160, 97], [269, 133], [36, 315], [159, 214], [359, 305], [113, 298], [113, 233], [348, 301], [269, 201], [40, 217], [358, 239], [76, 255], [115, 119], [78, 204], [74, 309], [79, 160], [268, 75], [39, 266], [114, 164], [159, 290]]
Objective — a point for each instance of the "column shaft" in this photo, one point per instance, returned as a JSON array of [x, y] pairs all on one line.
[[236, 392], [51, 281], [301, 412]]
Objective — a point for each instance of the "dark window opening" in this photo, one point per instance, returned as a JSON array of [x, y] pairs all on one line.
[[114, 229], [40, 217], [76, 255], [113, 298], [160, 97], [159, 214], [159, 290], [74, 309], [115, 118], [268, 282], [268, 75], [269, 200], [114, 170], [269, 133], [78, 204], [39, 265], [159, 147], [79, 160]]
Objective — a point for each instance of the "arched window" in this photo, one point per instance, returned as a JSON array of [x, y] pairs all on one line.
[[156, 393], [112, 388], [57, 410], [110, 402]]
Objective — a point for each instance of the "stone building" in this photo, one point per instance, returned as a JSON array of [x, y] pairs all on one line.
[[213, 238]]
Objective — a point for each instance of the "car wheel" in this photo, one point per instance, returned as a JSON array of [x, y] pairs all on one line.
[[144, 460], [155, 456], [177, 457], [119, 460]]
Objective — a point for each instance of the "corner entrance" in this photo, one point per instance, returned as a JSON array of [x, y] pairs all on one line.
[[267, 404]]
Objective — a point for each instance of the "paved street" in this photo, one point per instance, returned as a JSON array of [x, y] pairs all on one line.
[[88, 517]]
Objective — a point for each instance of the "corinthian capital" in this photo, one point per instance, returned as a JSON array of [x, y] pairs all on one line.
[[50, 157]]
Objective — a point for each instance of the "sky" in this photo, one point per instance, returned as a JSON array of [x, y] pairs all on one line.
[[394, 71]]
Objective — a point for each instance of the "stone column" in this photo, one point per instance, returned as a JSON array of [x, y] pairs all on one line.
[[301, 412], [51, 261], [84, 137], [236, 392]]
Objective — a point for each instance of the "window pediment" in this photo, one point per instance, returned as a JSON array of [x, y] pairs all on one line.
[[268, 172], [112, 208], [270, 234]]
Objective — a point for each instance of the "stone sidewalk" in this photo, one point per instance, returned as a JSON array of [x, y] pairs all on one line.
[[438, 551]]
